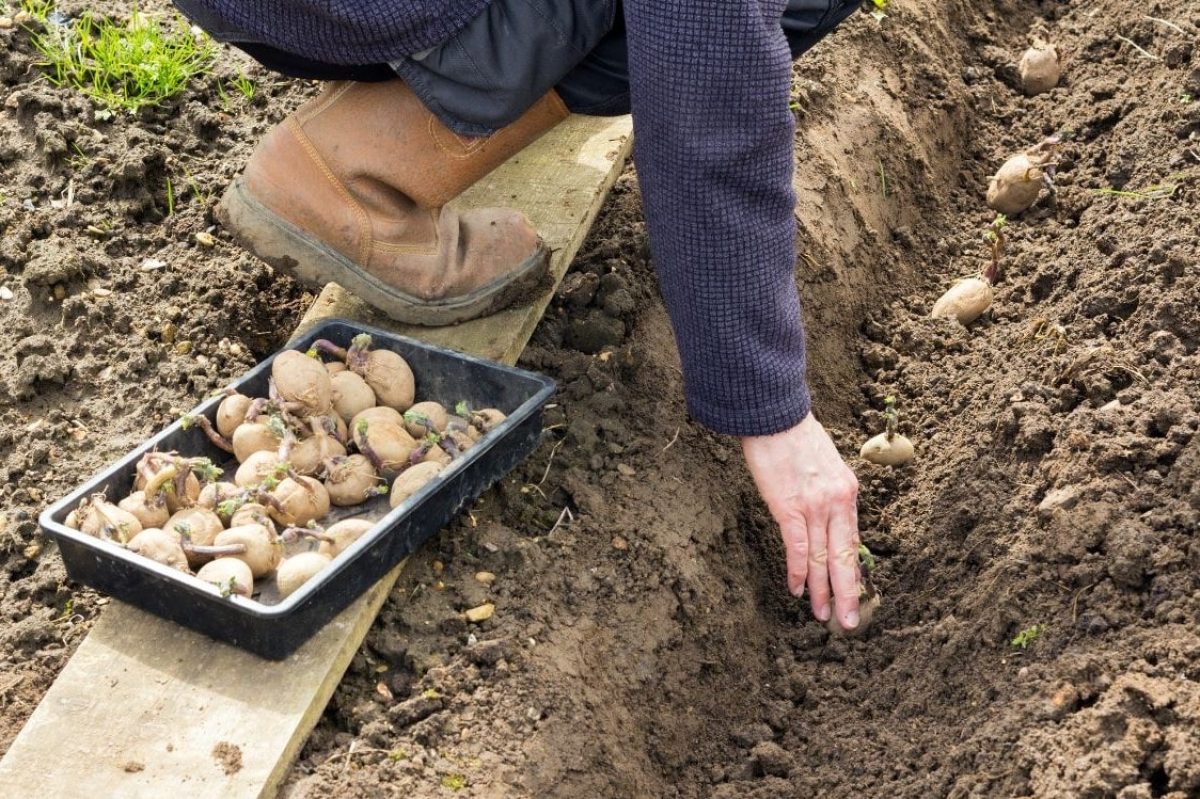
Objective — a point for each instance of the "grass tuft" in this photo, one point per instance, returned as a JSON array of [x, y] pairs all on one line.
[[122, 66]]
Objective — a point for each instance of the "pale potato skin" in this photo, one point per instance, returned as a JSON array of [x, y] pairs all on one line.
[[1040, 68], [344, 533], [263, 552], [965, 301], [256, 467], [253, 437], [220, 570], [161, 547], [435, 412], [888, 453], [302, 502], [297, 570], [351, 395], [349, 482], [412, 479], [149, 515], [866, 612], [231, 413], [299, 378], [390, 377]]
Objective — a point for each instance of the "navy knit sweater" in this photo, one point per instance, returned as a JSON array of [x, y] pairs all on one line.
[[709, 85]]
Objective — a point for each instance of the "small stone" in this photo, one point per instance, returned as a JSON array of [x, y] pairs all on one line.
[[102, 292], [22, 17], [487, 578], [183, 347], [6, 293], [438, 567], [205, 239], [771, 760], [6, 23], [60, 292], [1065, 498], [626, 470], [150, 264], [481, 613], [619, 543]]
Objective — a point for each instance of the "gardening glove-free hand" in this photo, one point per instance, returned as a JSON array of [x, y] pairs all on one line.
[[812, 494]]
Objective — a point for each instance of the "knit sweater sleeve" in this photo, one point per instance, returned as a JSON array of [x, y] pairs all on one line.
[[713, 147]]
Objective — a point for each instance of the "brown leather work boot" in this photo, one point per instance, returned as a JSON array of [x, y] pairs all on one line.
[[350, 189]]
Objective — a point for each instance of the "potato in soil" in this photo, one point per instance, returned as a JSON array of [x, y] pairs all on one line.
[[887, 452], [965, 301], [1040, 68]]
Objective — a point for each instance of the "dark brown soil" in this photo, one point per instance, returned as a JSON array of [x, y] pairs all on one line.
[[643, 644]]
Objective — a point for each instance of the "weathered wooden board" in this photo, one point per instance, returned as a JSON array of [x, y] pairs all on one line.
[[146, 708]]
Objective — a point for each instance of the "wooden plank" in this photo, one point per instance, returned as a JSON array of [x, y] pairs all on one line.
[[146, 708], [560, 195]]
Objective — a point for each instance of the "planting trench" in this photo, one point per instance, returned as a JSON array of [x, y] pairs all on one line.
[[643, 644]]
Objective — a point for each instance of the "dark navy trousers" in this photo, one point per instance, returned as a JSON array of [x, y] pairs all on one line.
[[514, 52]]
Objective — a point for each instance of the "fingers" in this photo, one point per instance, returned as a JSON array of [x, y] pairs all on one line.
[[795, 547], [818, 568], [843, 569]]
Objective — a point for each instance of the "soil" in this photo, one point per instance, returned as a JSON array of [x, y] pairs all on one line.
[[1038, 635]]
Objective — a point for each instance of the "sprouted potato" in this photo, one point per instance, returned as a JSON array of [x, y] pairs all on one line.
[[301, 427], [229, 575], [351, 480], [968, 299], [1016, 185], [263, 551], [302, 382], [160, 547], [889, 448], [148, 514]]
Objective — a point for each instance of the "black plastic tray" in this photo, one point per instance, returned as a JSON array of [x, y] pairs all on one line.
[[275, 631]]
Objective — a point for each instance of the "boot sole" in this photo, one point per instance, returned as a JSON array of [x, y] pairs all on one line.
[[306, 258]]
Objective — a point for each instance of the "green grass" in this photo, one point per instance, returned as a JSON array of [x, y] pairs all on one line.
[[121, 65]]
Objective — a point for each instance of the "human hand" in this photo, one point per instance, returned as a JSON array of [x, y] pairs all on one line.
[[812, 494]]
